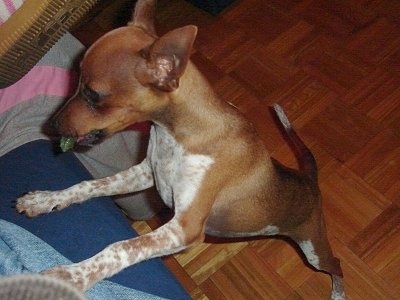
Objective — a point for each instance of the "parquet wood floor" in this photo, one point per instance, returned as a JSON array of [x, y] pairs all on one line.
[[335, 68]]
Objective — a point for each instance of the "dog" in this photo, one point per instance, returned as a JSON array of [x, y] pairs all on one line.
[[206, 160]]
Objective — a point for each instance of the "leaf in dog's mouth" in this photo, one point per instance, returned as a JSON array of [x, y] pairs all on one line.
[[67, 143]]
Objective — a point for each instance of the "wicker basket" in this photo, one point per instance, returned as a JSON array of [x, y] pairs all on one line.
[[32, 30]]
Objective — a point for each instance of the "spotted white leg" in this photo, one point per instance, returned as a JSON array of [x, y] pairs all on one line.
[[337, 288], [136, 178], [314, 259], [308, 249], [165, 240]]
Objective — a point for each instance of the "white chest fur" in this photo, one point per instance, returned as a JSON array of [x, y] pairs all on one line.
[[178, 174]]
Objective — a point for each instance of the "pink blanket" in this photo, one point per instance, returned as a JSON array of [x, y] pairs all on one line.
[[7, 8], [41, 80]]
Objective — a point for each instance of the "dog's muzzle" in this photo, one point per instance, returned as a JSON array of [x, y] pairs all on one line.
[[69, 142], [92, 138]]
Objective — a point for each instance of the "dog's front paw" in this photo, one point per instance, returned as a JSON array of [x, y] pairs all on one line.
[[69, 274], [39, 202]]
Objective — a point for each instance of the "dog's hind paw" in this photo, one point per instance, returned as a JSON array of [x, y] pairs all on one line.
[[36, 203]]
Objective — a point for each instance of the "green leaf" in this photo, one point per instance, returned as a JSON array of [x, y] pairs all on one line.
[[67, 143]]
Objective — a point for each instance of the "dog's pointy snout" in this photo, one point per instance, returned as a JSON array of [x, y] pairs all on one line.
[[54, 125]]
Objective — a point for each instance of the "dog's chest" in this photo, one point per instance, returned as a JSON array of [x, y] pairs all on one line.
[[177, 174]]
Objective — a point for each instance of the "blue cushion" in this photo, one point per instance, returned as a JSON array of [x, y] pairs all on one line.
[[79, 231]]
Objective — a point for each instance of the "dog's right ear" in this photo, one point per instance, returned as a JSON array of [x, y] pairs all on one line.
[[144, 15], [165, 61]]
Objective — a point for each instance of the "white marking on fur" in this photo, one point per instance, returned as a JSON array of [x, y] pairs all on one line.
[[194, 168], [178, 175], [171, 236], [309, 251], [232, 104], [282, 116], [337, 288], [271, 230]]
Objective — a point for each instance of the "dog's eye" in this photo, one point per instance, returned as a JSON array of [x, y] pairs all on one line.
[[144, 53], [91, 96]]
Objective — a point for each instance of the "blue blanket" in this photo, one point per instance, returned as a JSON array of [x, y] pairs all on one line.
[[22, 252], [79, 231]]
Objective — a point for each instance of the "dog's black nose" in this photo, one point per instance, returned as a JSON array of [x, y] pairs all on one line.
[[52, 127], [54, 124]]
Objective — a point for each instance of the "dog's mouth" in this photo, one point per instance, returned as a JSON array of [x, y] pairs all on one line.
[[88, 140], [92, 138]]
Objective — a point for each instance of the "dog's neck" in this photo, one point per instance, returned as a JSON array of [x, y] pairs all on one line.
[[194, 113]]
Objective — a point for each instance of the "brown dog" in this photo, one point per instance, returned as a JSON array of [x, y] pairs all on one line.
[[205, 158]]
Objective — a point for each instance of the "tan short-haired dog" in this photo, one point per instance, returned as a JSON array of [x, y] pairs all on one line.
[[206, 159]]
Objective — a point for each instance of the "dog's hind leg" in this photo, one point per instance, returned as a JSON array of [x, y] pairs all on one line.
[[315, 246]]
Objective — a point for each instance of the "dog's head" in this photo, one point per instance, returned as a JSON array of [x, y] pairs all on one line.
[[127, 76]]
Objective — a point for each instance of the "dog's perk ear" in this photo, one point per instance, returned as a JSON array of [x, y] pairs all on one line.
[[166, 59], [144, 15]]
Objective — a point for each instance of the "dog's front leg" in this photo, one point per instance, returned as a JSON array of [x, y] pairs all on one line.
[[136, 178], [165, 240]]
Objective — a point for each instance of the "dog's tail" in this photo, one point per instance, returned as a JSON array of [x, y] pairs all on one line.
[[307, 162]]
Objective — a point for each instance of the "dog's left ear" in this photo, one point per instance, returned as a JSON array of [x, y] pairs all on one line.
[[166, 59], [144, 15]]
